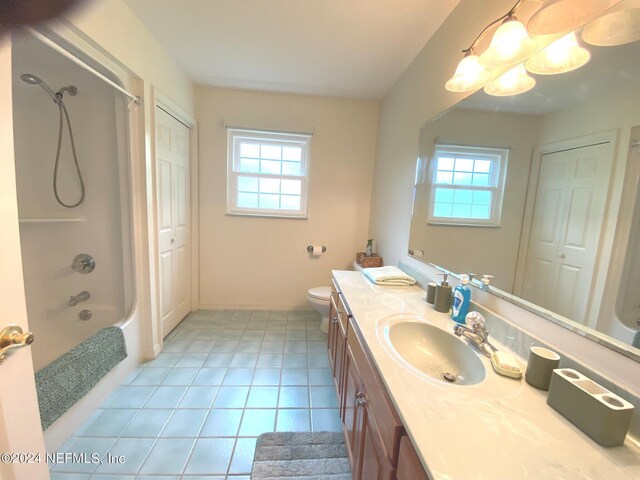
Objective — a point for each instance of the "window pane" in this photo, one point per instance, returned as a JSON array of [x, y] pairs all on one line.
[[444, 195], [481, 179], [269, 185], [269, 201], [480, 211], [247, 184], [290, 202], [247, 200], [271, 152], [462, 178], [445, 163], [464, 165], [444, 177], [291, 187], [269, 166], [250, 150], [292, 154], [461, 211], [463, 196], [482, 197], [249, 166], [482, 166], [442, 210], [291, 168]]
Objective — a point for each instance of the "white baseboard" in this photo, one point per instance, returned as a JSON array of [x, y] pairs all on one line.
[[282, 308]]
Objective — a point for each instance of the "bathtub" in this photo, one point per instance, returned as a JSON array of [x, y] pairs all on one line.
[[52, 235]]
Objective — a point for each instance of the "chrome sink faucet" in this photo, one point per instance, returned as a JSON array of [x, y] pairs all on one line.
[[477, 334]]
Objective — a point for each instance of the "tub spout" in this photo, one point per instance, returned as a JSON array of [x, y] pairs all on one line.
[[81, 297]]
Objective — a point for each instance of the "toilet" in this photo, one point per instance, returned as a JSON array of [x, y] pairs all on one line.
[[320, 298]]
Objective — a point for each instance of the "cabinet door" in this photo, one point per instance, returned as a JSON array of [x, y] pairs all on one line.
[[374, 464], [339, 367], [352, 422], [333, 331]]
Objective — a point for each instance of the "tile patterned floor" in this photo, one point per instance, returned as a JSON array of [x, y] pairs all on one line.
[[194, 412]]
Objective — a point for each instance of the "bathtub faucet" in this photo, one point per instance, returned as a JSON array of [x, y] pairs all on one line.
[[81, 297]]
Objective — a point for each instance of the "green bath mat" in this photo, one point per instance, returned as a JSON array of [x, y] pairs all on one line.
[[68, 378]]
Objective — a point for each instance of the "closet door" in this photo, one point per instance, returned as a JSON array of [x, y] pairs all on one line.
[[569, 210], [174, 241]]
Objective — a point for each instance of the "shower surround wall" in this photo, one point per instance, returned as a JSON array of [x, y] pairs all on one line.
[[51, 235]]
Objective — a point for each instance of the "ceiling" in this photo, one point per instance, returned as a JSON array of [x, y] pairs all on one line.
[[352, 48]]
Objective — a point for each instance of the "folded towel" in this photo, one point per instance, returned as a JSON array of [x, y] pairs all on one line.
[[389, 275]]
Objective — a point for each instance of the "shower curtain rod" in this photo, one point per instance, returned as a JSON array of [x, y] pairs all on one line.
[[135, 98]]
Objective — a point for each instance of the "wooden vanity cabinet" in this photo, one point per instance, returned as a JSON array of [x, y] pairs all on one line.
[[409, 465], [375, 437], [367, 454]]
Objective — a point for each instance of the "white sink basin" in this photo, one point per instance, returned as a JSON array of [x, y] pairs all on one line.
[[430, 351]]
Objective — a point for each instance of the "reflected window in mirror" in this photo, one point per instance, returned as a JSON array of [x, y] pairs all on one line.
[[467, 185]]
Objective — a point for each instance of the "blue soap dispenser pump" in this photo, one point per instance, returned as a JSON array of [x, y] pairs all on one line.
[[461, 300]]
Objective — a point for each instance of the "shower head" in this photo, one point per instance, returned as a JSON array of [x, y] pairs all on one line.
[[31, 79]]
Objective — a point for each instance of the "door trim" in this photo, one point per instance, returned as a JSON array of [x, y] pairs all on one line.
[[158, 99], [601, 263]]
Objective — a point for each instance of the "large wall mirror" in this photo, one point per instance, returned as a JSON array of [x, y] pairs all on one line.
[[540, 190]]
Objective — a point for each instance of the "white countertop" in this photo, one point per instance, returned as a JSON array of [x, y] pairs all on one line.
[[499, 429]]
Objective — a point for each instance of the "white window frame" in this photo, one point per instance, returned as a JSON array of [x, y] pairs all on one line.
[[496, 186], [234, 138]]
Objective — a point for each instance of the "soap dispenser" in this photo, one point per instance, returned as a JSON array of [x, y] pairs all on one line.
[[461, 300], [443, 295]]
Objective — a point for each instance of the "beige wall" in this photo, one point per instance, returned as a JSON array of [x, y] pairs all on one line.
[[116, 29], [417, 97], [248, 262], [480, 250]]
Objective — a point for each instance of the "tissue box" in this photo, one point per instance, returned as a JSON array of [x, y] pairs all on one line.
[[368, 262], [602, 415]]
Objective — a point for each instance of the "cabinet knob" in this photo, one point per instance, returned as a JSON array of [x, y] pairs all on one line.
[[335, 319], [361, 402]]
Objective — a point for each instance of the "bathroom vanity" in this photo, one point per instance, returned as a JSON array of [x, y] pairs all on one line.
[[402, 424]]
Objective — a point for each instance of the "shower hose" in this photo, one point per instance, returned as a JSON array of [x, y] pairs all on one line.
[[65, 115]]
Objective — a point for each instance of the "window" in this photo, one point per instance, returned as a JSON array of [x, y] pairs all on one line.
[[267, 173], [467, 185]]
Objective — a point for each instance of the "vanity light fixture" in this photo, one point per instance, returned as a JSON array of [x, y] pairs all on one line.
[[563, 55], [513, 82], [510, 45], [564, 16], [470, 75], [619, 25]]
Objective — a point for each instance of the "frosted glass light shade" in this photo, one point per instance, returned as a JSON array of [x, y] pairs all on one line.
[[561, 56], [513, 82], [470, 75], [617, 26], [564, 16], [510, 44]]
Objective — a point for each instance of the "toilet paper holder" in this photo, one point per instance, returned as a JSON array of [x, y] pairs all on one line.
[[310, 249]]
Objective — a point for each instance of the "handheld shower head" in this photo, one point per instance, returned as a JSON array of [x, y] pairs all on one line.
[[31, 79]]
